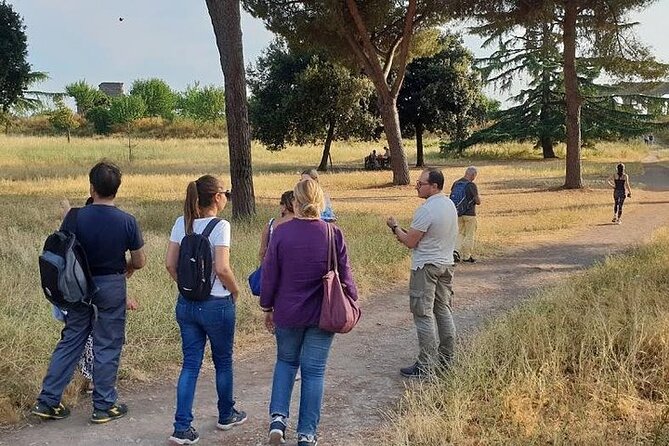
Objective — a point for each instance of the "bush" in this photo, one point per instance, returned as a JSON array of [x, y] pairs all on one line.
[[101, 119]]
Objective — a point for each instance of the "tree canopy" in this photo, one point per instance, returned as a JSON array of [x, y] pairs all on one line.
[[158, 97], [300, 97], [377, 36], [14, 67], [597, 33], [441, 93]]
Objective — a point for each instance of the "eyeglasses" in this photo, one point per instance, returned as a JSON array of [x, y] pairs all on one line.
[[227, 193], [421, 184]]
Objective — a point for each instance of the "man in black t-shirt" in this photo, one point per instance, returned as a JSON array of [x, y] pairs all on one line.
[[467, 217], [106, 233]]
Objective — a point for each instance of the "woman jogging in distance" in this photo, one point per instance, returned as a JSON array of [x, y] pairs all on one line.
[[212, 318], [620, 183]]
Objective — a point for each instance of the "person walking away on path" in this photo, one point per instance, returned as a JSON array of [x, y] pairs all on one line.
[[327, 213], [465, 196], [105, 233], [286, 214], [212, 318], [620, 183], [431, 237], [291, 297]]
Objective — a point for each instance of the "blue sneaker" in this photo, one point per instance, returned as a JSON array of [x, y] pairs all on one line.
[[189, 436], [235, 419]]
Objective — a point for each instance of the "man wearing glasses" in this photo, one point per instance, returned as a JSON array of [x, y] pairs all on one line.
[[432, 237]]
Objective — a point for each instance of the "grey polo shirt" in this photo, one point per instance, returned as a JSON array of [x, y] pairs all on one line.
[[438, 219]]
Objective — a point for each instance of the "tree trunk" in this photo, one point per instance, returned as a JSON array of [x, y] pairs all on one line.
[[573, 178], [226, 21], [420, 161], [68, 136], [323, 166], [547, 147], [391, 126]]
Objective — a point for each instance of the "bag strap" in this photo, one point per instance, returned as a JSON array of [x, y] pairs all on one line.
[[210, 227], [332, 255], [70, 221]]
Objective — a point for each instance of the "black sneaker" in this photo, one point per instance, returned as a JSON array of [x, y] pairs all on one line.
[[189, 436], [306, 440], [47, 412], [238, 417], [470, 260], [413, 371], [456, 257], [113, 413], [277, 430]]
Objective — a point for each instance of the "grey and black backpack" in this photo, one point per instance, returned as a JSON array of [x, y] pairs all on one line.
[[63, 267]]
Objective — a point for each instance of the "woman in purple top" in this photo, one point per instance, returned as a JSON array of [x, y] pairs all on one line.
[[292, 291]]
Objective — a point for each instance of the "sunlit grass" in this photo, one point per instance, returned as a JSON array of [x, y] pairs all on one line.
[[584, 363]]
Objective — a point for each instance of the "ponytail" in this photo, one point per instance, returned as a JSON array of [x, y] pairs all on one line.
[[191, 207], [199, 196]]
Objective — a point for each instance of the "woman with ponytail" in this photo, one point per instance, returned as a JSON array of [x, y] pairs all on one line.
[[620, 183], [292, 292], [212, 318]]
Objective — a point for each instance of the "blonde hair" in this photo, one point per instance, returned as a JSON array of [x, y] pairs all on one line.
[[309, 200]]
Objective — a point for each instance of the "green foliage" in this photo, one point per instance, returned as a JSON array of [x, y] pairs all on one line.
[[442, 93], [101, 119], [14, 67], [159, 98], [126, 109], [202, 103], [86, 96], [534, 50], [62, 119], [325, 25], [296, 97]]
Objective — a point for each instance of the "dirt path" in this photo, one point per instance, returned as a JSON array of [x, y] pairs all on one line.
[[363, 379]]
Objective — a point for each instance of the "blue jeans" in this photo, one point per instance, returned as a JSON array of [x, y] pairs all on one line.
[[308, 349], [214, 319], [108, 338]]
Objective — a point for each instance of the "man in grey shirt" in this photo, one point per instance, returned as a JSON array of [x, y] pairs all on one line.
[[432, 237]]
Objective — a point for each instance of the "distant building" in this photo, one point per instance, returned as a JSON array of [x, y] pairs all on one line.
[[112, 89]]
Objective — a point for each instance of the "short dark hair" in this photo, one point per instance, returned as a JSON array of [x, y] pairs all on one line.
[[105, 177], [435, 177]]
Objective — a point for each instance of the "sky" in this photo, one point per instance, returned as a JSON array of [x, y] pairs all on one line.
[[173, 40]]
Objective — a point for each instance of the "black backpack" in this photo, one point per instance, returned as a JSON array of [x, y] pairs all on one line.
[[195, 264], [459, 196], [63, 267]]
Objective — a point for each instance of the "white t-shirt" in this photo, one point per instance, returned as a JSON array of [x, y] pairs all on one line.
[[438, 219], [220, 236]]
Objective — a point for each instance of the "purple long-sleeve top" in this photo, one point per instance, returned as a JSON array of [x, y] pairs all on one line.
[[293, 270]]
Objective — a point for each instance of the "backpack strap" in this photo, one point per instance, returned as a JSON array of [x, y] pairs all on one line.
[[210, 227], [70, 221]]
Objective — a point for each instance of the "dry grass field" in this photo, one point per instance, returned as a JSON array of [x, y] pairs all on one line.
[[522, 204], [586, 363]]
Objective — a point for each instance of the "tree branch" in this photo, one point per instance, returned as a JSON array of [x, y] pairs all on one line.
[[404, 49], [367, 45]]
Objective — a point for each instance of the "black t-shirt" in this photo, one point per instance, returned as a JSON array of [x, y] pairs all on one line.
[[471, 191], [106, 233]]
